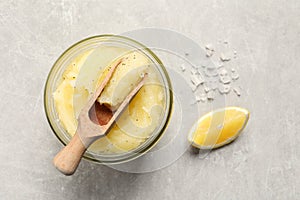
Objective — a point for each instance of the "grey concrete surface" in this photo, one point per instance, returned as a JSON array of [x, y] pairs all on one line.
[[264, 163]]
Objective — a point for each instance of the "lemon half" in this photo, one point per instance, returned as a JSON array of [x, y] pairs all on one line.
[[218, 128]]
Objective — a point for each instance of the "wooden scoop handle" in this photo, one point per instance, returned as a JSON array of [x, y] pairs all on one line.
[[68, 159]]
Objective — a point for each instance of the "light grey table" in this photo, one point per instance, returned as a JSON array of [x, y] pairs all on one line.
[[264, 163]]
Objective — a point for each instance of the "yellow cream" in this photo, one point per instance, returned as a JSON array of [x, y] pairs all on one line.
[[140, 118], [127, 75]]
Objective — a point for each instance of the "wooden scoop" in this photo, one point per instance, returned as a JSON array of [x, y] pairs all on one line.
[[88, 130]]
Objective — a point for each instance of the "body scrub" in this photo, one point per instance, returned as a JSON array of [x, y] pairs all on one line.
[[142, 116]]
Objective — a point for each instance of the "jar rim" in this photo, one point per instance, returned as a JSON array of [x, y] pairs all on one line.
[[58, 65]]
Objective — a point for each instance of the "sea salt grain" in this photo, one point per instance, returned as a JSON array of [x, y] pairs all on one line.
[[222, 72], [200, 70], [237, 91], [225, 79], [183, 67], [193, 87], [193, 71], [224, 57], [234, 54], [211, 95], [235, 76], [209, 53], [203, 99], [211, 67], [209, 50], [224, 89], [220, 64], [197, 80], [206, 88], [210, 72], [209, 47]]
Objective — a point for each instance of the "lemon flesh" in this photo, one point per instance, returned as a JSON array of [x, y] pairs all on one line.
[[218, 128]]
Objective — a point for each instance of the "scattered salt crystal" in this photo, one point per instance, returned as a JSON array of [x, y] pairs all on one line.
[[222, 72], [232, 70], [206, 88], [212, 72], [209, 50], [221, 64], [209, 53], [183, 67], [237, 91], [203, 99], [197, 80], [209, 47], [211, 95], [200, 70], [235, 76], [194, 66], [193, 71], [224, 89], [224, 58], [211, 67], [194, 87], [225, 79], [200, 73], [234, 54], [198, 98]]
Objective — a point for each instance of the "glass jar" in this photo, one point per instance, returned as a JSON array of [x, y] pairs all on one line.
[[55, 77]]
